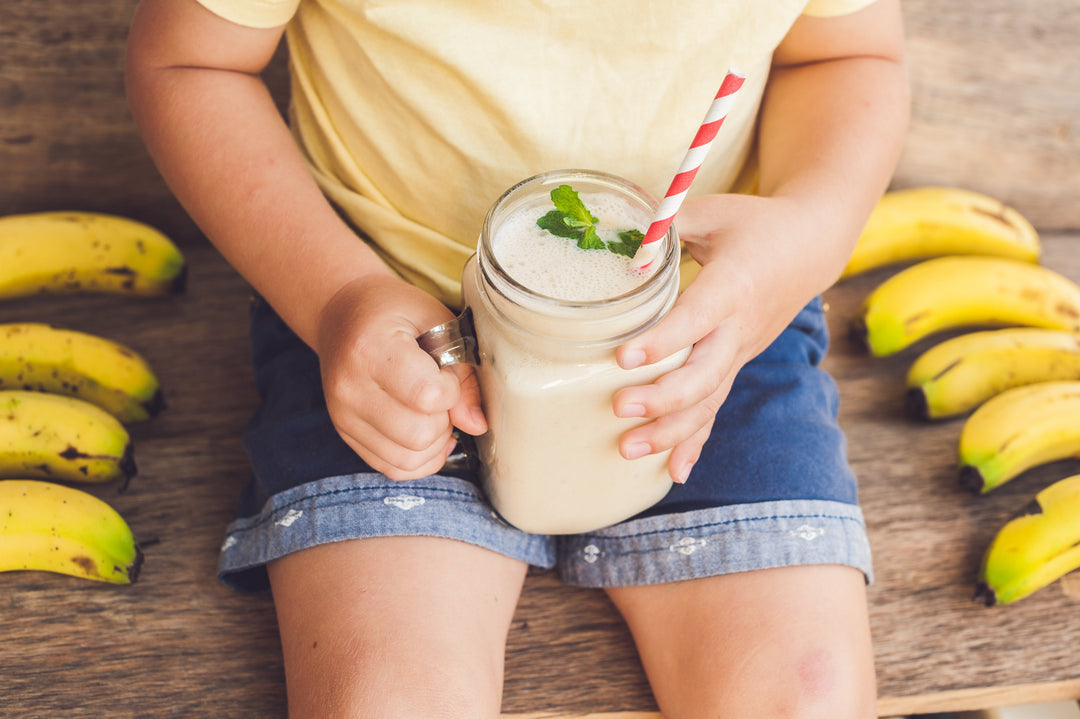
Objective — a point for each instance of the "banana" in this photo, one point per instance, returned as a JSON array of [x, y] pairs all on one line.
[[46, 359], [50, 436], [53, 528], [1020, 428], [957, 375], [922, 222], [958, 291], [1035, 548], [50, 252]]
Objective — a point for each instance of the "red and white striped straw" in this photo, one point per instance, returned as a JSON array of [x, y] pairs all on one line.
[[680, 184]]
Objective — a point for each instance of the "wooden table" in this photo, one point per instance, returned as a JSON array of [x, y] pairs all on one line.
[[178, 643], [997, 97]]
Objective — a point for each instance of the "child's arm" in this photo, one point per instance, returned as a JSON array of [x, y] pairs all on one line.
[[831, 128], [213, 130]]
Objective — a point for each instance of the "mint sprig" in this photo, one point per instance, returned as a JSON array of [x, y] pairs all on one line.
[[628, 244], [572, 220]]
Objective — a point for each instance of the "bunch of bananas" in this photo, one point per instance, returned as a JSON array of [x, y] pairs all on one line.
[[977, 264], [67, 396]]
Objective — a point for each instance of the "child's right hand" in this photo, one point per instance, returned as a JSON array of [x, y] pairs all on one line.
[[387, 397]]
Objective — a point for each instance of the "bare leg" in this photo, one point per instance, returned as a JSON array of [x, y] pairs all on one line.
[[395, 627], [772, 643]]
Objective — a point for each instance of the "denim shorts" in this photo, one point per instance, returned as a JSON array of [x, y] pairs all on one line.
[[772, 487]]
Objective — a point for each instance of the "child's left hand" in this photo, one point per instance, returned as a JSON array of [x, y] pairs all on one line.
[[748, 289]]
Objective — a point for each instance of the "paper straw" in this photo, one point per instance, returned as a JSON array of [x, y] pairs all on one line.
[[680, 184]]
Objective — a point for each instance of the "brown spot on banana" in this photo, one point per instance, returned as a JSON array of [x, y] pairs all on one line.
[[72, 453], [998, 215], [948, 368], [86, 564], [1068, 310], [915, 318]]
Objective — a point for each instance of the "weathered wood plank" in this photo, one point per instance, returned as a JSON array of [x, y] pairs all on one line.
[[997, 97], [996, 103], [996, 106], [67, 139], [928, 536], [177, 643], [178, 640]]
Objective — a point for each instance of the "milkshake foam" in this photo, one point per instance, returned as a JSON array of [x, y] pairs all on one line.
[[555, 267]]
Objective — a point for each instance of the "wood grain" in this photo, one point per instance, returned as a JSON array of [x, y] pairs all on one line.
[[67, 139], [928, 536], [178, 641], [996, 102], [995, 108]]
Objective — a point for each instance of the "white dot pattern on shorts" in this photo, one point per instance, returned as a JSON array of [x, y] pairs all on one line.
[[688, 545], [805, 531], [291, 516], [403, 501]]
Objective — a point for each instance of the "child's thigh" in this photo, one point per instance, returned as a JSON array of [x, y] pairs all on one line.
[[395, 626], [790, 642]]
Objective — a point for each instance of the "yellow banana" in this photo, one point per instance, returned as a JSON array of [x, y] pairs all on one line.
[[957, 375], [46, 359], [1020, 428], [50, 436], [959, 291], [922, 222], [49, 252], [1035, 548], [53, 528]]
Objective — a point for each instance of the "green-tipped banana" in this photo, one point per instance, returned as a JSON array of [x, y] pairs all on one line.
[[957, 375], [50, 436], [1020, 428], [52, 528], [962, 291], [45, 359], [1035, 548], [922, 222], [66, 252]]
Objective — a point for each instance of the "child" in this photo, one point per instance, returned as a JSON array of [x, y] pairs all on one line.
[[394, 583]]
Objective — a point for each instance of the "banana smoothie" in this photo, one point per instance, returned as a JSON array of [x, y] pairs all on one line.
[[548, 316]]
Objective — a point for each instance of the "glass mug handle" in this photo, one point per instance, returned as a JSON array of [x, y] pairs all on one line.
[[452, 342]]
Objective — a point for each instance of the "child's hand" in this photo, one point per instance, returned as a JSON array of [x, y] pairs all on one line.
[[386, 396], [740, 301]]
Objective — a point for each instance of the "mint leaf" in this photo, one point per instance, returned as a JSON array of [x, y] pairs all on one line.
[[629, 242], [590, 240], [575, 214], [555, 223]]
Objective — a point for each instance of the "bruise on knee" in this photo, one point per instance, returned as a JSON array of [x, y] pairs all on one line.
[[827, 685], [816, 673]]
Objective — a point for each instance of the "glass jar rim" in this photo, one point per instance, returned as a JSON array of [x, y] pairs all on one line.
[[668, 259]]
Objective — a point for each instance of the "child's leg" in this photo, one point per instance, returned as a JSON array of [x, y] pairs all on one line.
[[788, 642], [395, 627]]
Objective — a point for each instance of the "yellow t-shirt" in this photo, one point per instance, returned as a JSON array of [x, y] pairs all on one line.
[[416, 115]]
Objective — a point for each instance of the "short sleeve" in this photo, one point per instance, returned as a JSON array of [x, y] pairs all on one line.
[[829, 8], [253, 13]]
